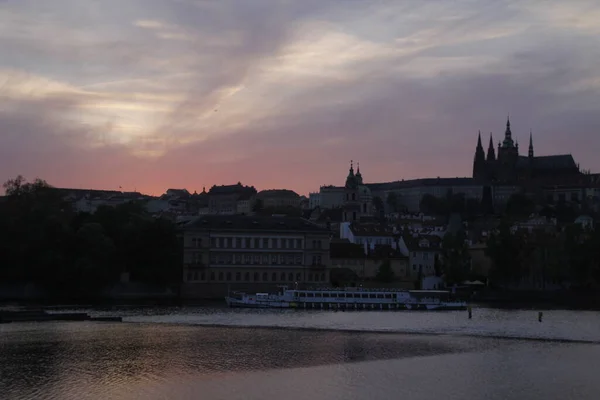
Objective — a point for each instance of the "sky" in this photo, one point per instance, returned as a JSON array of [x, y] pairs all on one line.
[[148, 95]]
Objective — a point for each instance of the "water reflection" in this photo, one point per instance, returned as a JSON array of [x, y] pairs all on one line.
[[126, 361]]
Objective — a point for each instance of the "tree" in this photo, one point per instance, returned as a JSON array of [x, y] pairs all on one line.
[[385, 273], [378, 204], [507, 252], [429, 204], [392, 201], [519, 206], [455, 257]]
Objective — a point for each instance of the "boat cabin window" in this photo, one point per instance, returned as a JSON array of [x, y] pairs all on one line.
[[388, 296], [372, 295], [380, 295], [302, 294], [365, 296], [310, 295], [325, 294], [318, 295]]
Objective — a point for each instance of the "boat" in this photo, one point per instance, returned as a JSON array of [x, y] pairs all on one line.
[[353, 298]]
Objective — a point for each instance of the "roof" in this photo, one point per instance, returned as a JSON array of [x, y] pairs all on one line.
[[253, 223], [277, 193], [422, 182], [371, 230], [231, 189], [561, 161], [331, 214], [412, 243]]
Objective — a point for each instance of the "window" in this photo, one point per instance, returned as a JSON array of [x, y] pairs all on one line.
[[257, 259], [353, 196], [189, 276], [265, 277], [247, 243], [298, 243], [298, 276], [265, 259], [256, 277], [290, 277], [319, 260], [310, 277], [202, 276], [284, 243], [221, 242], [298, 260], [230, 242], [274, 259], [282, 276], [238, 258], [274, 276], [265, 243], [220, 276], [213, 242], [228, 276], [238, 276], [323, 278], [212, 276], [247, 258], [195, 275], [238, 243], [256, 243]]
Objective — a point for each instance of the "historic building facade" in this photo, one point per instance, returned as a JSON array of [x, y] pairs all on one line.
[[222, 252], [357, 201]]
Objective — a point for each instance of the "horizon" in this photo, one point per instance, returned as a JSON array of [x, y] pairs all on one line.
[[164, 94]]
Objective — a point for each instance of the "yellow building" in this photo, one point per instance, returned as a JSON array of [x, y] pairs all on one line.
[[235, 252]]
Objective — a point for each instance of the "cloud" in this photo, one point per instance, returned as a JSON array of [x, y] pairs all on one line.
[[190, 93]]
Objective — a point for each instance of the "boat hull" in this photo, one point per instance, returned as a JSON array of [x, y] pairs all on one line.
[[446, 306]]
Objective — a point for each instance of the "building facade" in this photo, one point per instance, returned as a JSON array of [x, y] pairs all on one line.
[[251, 253]]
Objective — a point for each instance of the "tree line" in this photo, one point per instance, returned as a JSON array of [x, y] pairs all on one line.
[[44, 241]]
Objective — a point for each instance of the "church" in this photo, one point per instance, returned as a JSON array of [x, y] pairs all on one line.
[[507, 166]]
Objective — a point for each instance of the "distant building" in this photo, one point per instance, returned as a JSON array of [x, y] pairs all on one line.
[[422, 252], [224, 199], [368, 235], [279, 198], [251, 253]]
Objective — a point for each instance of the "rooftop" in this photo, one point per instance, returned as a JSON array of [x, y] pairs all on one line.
[[252, 223]]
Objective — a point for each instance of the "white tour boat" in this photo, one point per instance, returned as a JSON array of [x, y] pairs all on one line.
[[348, 299]]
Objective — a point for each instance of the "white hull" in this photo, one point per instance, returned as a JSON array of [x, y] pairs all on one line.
[[357, 299]]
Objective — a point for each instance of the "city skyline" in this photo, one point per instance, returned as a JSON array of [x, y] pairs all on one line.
[[157, 94]]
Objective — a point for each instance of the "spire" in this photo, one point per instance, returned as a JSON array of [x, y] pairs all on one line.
[[479, 167], [530, 143], [351, 172], [358, 174], [508, 141], [479, 141], [491, 154]]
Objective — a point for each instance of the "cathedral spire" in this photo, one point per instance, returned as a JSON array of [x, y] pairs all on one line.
[[358, 174], [479, 141], [530, 143], [508, 141], [491, 154]]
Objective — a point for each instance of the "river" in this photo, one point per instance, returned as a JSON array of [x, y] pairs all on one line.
[[218, 353]]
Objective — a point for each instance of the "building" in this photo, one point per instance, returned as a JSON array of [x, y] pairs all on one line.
[[508, 166], [251, 253], [279, 198], [422, 251], [368, 235], [331, 196], [223, 199], [357, 201], [365, 266]]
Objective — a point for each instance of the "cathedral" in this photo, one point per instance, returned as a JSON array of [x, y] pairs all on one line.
[[507, 166]]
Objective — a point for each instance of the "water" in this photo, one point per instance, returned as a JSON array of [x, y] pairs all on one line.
[[166, 354]]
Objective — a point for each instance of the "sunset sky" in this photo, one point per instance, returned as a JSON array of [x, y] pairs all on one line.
[[153, 94]]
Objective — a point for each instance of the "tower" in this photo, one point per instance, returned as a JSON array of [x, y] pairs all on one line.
[[352, 206], [359, 178], [508, 155], [491, 153], [530, 145], [479, 164]]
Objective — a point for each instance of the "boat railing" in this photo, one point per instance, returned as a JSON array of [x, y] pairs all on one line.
[[355, 289]]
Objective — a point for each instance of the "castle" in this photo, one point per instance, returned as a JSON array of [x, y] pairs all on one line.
[[508, 167]]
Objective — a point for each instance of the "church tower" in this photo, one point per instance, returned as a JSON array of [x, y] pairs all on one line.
[[479, 165], [352, 204], [508, 155]]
